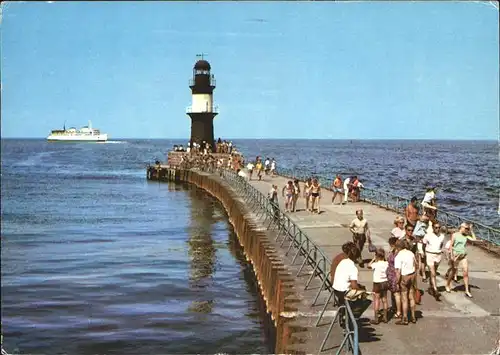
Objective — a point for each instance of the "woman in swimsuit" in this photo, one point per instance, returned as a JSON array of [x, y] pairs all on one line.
[[315, 191], [307, 193], [287, 193]]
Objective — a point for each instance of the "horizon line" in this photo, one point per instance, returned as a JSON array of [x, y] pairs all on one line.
[[268, 138]]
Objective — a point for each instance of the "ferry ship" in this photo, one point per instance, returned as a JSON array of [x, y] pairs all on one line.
[[84, 134]]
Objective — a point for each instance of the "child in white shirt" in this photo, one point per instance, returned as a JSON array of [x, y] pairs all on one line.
[[380, 284]]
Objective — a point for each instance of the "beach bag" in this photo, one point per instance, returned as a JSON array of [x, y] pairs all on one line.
[[355, 295], [418, 296], [371, 248]]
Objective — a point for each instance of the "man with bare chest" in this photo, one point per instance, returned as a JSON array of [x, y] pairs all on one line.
[[411, 212]]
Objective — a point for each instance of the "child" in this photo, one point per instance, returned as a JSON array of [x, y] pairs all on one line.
[[380, 284]]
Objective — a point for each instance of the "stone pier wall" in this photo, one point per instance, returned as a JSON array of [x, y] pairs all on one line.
[[277, 285]]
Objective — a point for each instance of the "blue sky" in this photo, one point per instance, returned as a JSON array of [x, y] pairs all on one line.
[[355, 70]]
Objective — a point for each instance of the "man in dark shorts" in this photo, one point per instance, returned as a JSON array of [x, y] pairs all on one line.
[[360, 231]]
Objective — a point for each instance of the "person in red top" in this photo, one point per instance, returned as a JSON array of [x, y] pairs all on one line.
[[356, 189]]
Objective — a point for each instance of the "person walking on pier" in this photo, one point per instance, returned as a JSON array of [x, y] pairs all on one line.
[[347, 187], [307, 192], [288, 192], [266, 166], [315, 191], [405, 270], [337, 188], [459, 255], [433, 241], [380, 285], [392, 278], [250, 167], [360, 231], [258, 167], [296, 194], [411, 212], [420, 230], [273, 167]]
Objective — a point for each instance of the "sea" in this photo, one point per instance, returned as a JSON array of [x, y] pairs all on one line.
[[95, 259]]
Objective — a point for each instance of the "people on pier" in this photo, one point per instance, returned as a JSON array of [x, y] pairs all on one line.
[[380, 285], [458, 251], [345, 275], [337, 188], [288, 192], [307, 192], [259, 168], [315, 192], [399, 227], [356, 187], [429, 203], [267, 166], [347, 186], [392, 278], [433, 241], [296, 194], [404, 264], [250, 167], [360, 231], [412, 212], [273, 167]]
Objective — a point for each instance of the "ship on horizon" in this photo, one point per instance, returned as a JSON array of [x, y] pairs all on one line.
[[84, 134]]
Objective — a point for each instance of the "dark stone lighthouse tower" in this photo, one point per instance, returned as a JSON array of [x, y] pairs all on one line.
[[202, 110]]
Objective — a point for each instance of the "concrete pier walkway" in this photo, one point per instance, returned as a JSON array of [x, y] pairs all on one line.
[[456, 325]]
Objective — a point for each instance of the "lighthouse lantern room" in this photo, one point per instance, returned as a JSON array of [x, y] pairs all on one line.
[[202, 110]]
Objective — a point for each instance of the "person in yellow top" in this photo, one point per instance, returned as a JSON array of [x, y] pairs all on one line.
[[259, 169]]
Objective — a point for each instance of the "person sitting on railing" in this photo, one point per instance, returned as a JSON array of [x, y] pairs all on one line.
[[429, 203]]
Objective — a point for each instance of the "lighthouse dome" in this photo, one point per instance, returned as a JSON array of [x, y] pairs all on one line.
[[202, 65]]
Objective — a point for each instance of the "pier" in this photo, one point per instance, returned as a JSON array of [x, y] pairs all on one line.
[[291, 254]]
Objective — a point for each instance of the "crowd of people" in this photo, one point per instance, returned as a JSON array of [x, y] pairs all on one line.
[[221, 147], [417, 244], [417, 247]]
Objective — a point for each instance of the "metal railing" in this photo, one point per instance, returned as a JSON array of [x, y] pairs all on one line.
[[398, 204], [211, 109], [287, 231]]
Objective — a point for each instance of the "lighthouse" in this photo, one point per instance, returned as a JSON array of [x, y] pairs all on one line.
[[202, 110]]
